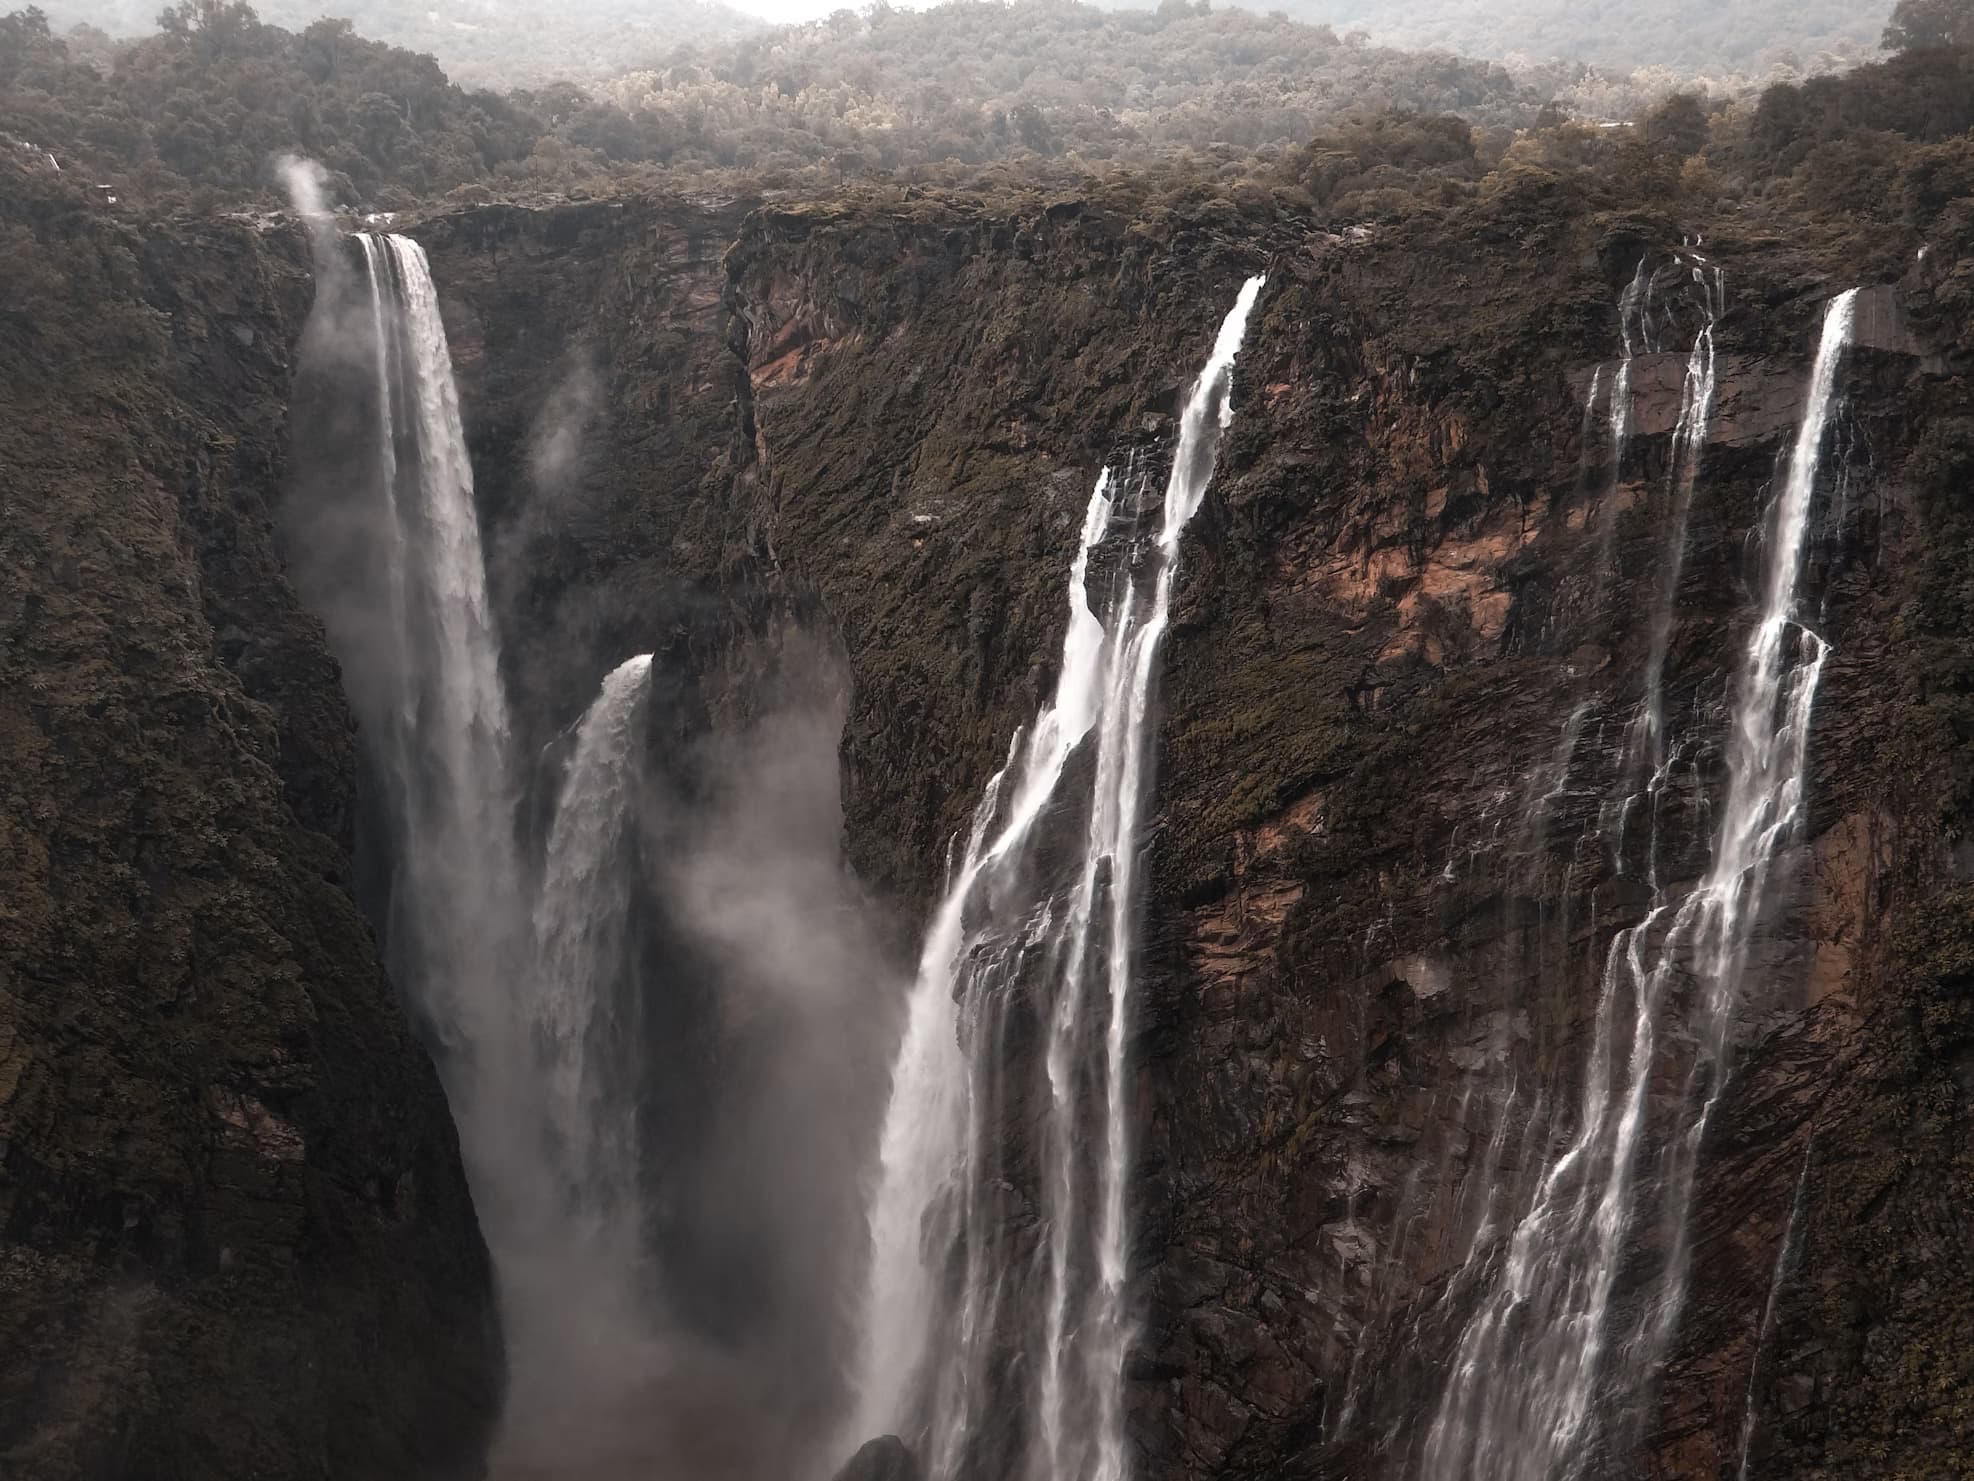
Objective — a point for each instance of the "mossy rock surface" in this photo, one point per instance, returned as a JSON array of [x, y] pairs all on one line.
[[235, 1237]]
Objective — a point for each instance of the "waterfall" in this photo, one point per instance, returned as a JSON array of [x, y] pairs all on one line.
[[576, 1277], [580, 918], [1036, 933], [1648, 761], [1527, 1396], [1785, 1256], [1689, 438], [519, 983], [1635, 322], [1638, 334], [438, 725]]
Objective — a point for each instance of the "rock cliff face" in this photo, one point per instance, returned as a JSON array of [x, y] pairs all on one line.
[[1413, 618], [234, 1234], [1412, 625]]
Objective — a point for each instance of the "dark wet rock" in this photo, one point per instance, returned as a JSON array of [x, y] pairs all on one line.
[[1409, 574], [235, 1237], [883, 1459], [880, 420]]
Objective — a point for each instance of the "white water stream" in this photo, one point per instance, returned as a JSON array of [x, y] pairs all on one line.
[[1050, 923]]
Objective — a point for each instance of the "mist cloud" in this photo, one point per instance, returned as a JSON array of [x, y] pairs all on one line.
[[806, 1002], [555, 442]]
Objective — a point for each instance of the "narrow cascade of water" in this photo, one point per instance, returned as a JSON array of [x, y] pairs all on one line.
[[440, 734], [1638, 335], [962, 1324], [1589, 428], [1528, 1397], [377, 270], [1649, 761], [1635, 321], [580, 1023], [1785, 1256], [1689, 439]]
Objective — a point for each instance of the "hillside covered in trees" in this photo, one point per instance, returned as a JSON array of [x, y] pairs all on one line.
[[977, 82], [1696, 36], [197, 114], [201, 108], [507, 43], [483, 43]]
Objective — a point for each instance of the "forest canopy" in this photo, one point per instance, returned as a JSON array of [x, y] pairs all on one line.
[[482, 43], [199, 108], [516, 43], [1922, 23], [1219, 105], [1696, 36]]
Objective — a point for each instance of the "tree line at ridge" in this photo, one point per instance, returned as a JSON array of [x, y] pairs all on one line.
[[503, 43], [1219, 104]]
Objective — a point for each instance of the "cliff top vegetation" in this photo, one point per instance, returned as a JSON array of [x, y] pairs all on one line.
[[199, 109], [1051, 94], [502, 43]]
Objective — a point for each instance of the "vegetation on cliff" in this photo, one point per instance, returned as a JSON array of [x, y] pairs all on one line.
[[1041, 89], [499, 43], [235, 1235], [203, 105], [198, 112]]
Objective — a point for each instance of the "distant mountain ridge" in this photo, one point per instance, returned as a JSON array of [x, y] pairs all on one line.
[[1698, 36], [480, 43]]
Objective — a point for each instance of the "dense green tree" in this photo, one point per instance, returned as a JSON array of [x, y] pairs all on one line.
[[1918, 23], [24, 38], [507, 43], [1678, 125]]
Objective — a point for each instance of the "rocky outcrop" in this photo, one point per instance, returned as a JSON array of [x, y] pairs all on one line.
[[235, 1238], [884, 1459]]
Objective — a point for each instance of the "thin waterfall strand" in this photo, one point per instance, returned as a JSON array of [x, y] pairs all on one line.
[[580, 918], [1520, 1401], [1008, 926], [1785, 1256], [1698, 393]]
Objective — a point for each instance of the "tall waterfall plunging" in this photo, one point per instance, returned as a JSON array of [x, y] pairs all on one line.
[[577, 1279], [1532, 1395], [1036, 933], [581, 1025], [437, 726], [518, 975]]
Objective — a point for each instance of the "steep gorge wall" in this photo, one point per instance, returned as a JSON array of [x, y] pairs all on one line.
[[696, 424], [1411, 574], [235, 1238], [1406, 585]]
